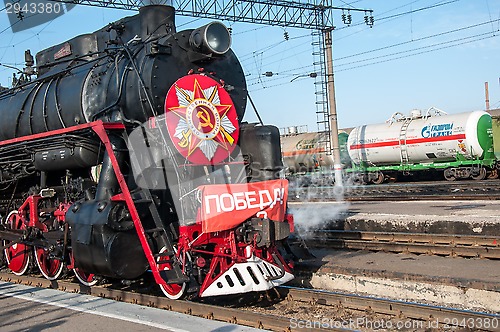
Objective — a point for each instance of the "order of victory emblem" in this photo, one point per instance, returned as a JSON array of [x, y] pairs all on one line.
[[201, 119]]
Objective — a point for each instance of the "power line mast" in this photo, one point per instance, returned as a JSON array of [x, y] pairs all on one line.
[[316, 15], [321, 91]]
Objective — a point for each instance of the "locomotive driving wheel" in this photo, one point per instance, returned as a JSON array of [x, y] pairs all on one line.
[[50, 267], [85, 278], [17, 255], [172, 291]]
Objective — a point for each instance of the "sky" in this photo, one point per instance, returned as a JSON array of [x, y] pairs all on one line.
[[418, 54]]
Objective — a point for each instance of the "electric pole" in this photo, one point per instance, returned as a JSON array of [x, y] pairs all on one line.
[[337, 166]]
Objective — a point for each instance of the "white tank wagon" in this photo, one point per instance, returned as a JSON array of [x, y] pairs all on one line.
[[461, 145], [305, 152]]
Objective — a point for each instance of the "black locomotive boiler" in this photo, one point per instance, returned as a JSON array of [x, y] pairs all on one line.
[[127, 156]]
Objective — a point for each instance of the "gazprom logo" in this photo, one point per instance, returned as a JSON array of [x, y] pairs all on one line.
[[437, 130]]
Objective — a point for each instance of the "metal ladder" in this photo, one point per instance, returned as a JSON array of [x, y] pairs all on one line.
[[166, 231], [402, 142]]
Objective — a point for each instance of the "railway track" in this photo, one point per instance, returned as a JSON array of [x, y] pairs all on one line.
[[368, 309], [440, 190], [467, 246], [439, 317], [230, 315]]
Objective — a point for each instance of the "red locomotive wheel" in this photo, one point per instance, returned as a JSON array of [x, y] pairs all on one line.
[[172, 291], [87, 279], [49, 267], [17, 255]]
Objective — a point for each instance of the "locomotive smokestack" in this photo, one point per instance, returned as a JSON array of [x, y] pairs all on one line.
[[156, 20]]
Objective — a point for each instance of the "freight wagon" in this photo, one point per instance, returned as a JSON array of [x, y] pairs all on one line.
[[430, 145]]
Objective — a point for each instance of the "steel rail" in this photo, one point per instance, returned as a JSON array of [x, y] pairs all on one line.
[[447, 317], [440, 190], [416, 243], [414, 197]]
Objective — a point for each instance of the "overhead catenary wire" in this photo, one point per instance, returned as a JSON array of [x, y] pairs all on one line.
[[419, 53], [386, 19], [379, 19], [383, 61], [435, 5], [417, 40], [415, 51]]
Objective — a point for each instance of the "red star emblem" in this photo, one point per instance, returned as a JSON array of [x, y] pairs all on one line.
[[201, 119]]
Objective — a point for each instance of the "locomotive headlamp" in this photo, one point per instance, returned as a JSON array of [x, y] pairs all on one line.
[[211, 38]]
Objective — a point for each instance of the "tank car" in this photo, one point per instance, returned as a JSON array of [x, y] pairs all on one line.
[[123, 155], [459, 145], [305, 152], [307, 158]]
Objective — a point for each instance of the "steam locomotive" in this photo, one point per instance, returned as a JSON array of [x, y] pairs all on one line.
[[127, 156]]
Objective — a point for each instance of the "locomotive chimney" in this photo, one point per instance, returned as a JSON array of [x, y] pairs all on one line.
[[156, 20]]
